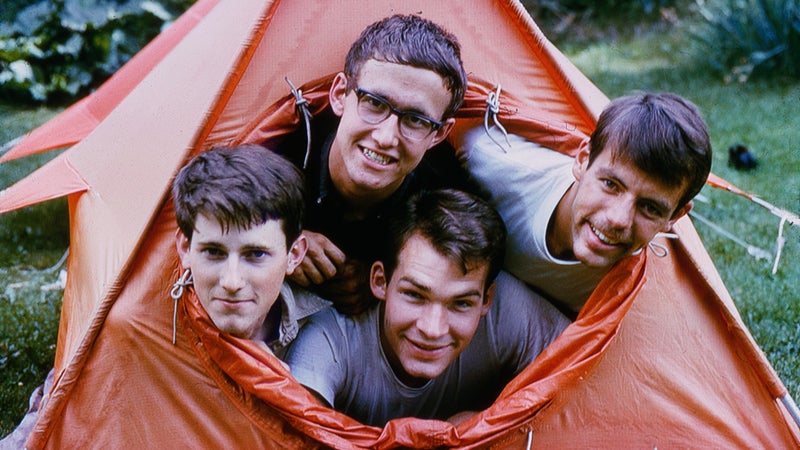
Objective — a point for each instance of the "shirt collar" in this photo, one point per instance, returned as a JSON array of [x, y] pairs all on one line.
[[298, 304]]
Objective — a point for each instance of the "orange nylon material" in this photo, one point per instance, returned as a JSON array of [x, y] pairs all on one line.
[[77, 121], [658, 358]]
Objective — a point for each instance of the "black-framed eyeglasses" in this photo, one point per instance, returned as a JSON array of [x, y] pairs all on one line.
[[374, 109]]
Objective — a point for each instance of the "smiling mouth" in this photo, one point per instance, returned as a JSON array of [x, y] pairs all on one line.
[[231, 302], [603, 238], [375, 157], [428, 348]]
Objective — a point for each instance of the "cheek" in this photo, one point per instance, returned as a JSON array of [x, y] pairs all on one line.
[[464, 327], [402, 316]]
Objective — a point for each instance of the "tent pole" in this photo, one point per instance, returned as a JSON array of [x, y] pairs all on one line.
[[791, 406]]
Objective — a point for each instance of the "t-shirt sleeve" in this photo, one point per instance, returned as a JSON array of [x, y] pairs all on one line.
[[315, 358]]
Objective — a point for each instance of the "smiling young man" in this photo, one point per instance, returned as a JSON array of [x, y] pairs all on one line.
[[390, 109], [570, 219], [239, 212], [451, 330]]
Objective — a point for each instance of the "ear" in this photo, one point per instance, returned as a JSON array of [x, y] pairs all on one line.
[[443, 131], [296, 253], [378, 281], [678, 214], [488, 299], [337, 94], [182, 244], [581, 162]]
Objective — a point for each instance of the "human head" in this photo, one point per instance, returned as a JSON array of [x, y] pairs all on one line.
[[444, 250], [413, 41], [648, 157], [459, 225], [239, 212], [412, 65], [662, 134], [240, 187]]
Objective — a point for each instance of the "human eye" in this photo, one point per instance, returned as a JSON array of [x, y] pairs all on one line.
[[609, 184], [463, 305], [374, 103], [652, 210], [412, 295], [256, 254], [417, 122], [213, 253]]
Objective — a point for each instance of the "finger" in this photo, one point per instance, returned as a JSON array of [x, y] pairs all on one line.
[[300, 277]]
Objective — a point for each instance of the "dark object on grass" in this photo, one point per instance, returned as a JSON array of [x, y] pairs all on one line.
[[740, 158]]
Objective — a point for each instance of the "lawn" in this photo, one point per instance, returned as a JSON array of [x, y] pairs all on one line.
[[760, 114]]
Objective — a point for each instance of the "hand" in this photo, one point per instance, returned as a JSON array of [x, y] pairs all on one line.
[[322, 262], [349, 288]]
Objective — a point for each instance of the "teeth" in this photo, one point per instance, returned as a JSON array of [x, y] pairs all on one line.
[[380, 159], [605, 239]]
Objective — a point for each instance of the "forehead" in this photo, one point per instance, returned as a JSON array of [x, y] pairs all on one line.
[[407, 87], [608, 164], [422, 264], [208, 229]]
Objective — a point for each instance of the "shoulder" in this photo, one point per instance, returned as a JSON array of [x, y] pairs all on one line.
[[515, 304]]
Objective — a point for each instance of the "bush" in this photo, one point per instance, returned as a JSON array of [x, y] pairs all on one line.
[[59, 50], [630, 9], [742, 38]]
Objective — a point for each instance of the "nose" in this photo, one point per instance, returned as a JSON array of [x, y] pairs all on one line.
[[433, 322], [231, 278], [386, 133], [620, 213]]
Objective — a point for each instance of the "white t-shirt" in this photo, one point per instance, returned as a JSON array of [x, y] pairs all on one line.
[[340, 358], [525, 183]]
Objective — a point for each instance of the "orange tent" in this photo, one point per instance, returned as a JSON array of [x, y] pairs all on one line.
[[659, 356]]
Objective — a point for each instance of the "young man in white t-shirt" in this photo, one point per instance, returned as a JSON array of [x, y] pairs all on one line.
[[571, 219]]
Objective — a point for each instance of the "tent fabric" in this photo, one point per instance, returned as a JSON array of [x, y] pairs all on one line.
[[75, 123], [658, 357]]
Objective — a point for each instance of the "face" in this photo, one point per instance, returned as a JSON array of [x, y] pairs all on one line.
[[431, 311], [614, 209], [238, 273], [370, 161]]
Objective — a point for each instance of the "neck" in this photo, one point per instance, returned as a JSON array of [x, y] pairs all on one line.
[[559, 229]]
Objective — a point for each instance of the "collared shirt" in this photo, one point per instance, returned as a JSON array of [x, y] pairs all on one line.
[[297, 304]]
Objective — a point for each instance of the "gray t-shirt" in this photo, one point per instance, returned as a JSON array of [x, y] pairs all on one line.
[[340, 357]]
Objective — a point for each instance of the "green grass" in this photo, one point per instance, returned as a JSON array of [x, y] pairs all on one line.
[[761, 114], [33, 240]]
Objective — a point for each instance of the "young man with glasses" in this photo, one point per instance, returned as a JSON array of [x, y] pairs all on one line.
[[392, 105]]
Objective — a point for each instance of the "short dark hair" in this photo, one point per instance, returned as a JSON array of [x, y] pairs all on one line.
[[413, 41], [240, 186], [662, 134], [460, 226]]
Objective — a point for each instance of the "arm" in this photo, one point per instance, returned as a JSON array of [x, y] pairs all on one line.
[[526, 323], [316, 358], [333, 276]]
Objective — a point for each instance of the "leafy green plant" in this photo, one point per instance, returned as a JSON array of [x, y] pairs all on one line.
[[742, 38], [59, 50]]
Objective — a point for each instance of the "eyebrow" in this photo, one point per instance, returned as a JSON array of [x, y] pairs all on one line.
[[385, 98], [427, 289], [664, 206]]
